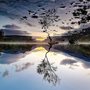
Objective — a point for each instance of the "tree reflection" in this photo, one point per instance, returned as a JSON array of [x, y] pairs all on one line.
[[47, 69]]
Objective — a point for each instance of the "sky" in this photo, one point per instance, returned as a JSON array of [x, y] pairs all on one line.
[[12, 11]]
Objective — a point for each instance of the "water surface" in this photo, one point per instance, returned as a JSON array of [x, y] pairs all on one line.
[[36, 68]]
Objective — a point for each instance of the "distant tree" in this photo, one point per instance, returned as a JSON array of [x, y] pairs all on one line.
[[46, 18], [1, 34], [71, 41]]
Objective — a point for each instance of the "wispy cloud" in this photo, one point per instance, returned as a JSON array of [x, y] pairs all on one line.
[[13, 26], [66, 27]]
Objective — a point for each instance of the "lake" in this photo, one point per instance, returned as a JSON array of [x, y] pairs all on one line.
[[40, 67]]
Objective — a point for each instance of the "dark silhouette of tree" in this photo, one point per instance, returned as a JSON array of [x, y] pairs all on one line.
[[1, 34], [46, 19], [71, 41]]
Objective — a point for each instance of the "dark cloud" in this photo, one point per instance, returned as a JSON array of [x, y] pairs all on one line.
[[16, 9], [13, 26], [86, 65], [14, 32], [66, 27]]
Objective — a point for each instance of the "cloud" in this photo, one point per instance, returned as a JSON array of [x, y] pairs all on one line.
[[16, 9], [86, 65], [66, 27], [13, 30], [13, 26], [68, 62]]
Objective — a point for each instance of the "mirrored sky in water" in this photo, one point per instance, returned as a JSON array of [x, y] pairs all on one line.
[[19, 71]]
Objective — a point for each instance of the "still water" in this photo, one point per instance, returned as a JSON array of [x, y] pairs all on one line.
[[37, 68]]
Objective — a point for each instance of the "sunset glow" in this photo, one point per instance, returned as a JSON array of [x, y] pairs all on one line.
[[40, 39]]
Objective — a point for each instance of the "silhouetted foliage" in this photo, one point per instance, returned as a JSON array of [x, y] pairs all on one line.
[[71, 41], [47, 18], [82, 12], [1, 34]]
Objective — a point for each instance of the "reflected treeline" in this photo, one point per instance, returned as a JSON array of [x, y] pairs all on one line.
[[47, 69], [80, 51], [12, 49]]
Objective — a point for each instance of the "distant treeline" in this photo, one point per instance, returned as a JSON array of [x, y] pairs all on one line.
[[12, 49], [1, 33], [73, 36], [14, 37], [17, 38]]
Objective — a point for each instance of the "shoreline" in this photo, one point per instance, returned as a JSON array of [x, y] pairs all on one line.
[[40, 43]]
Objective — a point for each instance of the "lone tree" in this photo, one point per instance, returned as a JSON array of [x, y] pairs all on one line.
[[45, 18]]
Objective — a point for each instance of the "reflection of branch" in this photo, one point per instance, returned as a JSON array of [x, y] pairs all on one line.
[[48, 70]]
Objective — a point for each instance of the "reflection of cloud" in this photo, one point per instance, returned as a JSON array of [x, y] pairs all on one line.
[[6, 73], [22, 67], [10, 58], [13, 26], [68, 62], [18, 68], [86, 65]]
